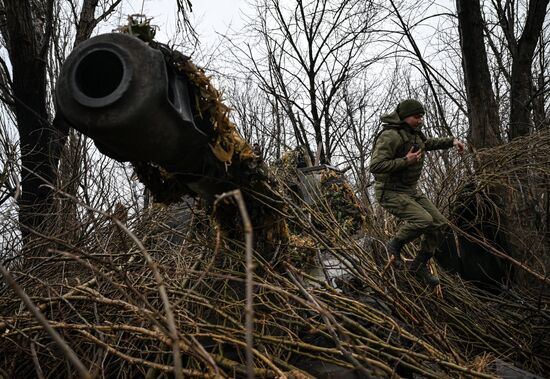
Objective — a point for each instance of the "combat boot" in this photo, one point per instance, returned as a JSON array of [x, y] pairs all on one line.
[[419, 268], [394, 247]]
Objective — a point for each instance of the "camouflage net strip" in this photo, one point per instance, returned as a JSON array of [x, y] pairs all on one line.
[[208, 101], [227, 143]]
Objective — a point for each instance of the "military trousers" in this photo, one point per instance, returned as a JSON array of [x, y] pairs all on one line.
[[420, 217]]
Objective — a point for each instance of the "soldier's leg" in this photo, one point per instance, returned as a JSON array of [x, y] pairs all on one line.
[[430, 241], [403, 206], [433, 235]]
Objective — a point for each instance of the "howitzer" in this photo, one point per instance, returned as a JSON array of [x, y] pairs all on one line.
[[137, 104], [148, 104]]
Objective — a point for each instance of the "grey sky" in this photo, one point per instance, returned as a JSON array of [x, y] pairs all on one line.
[[208, 16]]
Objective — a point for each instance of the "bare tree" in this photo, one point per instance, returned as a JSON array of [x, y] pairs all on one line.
[[541, 90], [522, 49], [511, 30], [257, 116], [356, 137], [304, 55], [27, 31]]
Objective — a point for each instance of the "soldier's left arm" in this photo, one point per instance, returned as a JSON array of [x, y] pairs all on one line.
[[439, 143]]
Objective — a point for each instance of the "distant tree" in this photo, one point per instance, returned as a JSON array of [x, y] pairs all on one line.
[[257, 116], [521, 26], [304, 54], [356, 136], [522, 40]]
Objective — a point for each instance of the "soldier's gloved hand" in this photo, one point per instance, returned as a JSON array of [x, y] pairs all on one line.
[[413, 156], [459, 146]]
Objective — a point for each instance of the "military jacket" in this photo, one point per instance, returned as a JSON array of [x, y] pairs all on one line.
[[390, 167]]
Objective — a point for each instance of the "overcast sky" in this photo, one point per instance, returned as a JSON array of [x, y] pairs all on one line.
[[208, 16]]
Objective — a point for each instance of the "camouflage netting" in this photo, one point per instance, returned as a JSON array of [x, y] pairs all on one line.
[[510, 199], [338, 196], [226, 145]]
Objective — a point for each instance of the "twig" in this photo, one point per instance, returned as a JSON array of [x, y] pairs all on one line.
[[69, 353], [329, 321], [39, 372], [249, 308]]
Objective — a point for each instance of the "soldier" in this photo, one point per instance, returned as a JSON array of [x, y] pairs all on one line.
[[396, 162]]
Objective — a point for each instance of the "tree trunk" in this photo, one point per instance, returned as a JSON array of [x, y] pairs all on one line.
[[482, 108], [540, 117], [521, 92], [28, 31], [483, 114], [27, 46], [520, 98]]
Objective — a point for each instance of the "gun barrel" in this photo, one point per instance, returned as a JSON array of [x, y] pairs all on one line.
[[120, 92]]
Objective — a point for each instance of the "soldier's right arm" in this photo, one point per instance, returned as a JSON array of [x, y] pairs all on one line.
[[384, 158]]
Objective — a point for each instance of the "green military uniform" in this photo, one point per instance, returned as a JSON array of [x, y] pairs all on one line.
[[397, 178]]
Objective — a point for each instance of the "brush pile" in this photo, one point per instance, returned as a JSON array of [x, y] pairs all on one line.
[[148, 298]]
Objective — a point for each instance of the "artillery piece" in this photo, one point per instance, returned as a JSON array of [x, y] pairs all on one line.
[[137, 102], [147, 104], [118, 91]]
